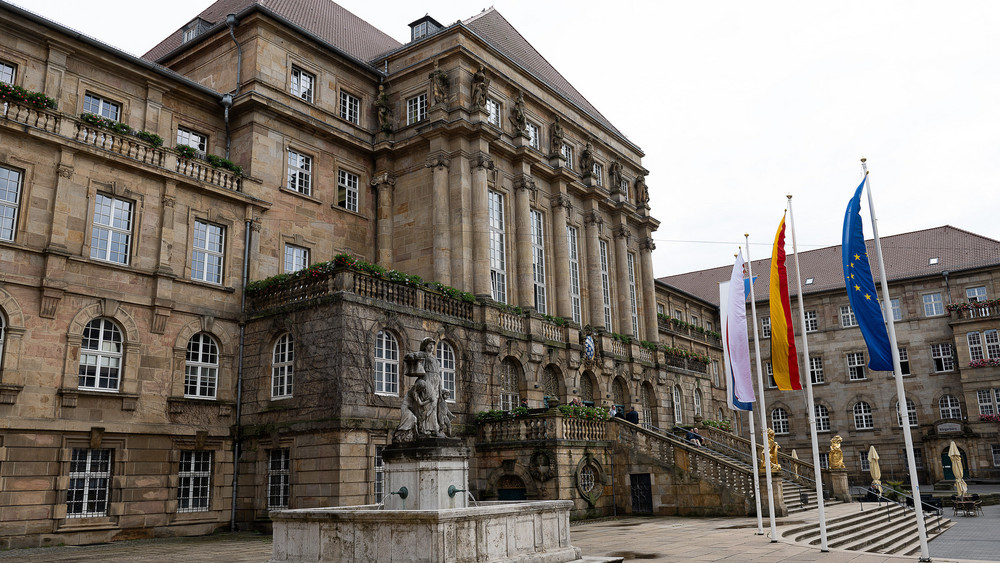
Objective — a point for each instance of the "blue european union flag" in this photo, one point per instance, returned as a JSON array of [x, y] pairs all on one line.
[[861, 287]]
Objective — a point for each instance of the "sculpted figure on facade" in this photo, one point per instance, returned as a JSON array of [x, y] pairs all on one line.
[[556, 134], [421, 411], [440, 84], [836, 454], [641, 191], [517, 117], [772, 450], [384, 111], [480, 86], [615, 176], [587, 160]]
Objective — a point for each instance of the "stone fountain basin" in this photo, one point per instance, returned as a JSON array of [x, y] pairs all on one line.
[[492, 531]]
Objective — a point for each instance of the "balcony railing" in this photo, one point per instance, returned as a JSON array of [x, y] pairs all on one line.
[[685, 330], [548, 426], [972, 311], [43, 119]]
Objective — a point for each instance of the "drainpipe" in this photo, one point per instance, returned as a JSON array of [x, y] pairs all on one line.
[[227, 99], [239, 373]]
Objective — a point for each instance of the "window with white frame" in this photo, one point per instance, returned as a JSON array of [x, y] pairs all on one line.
[[976, 294], [10, 201], [605, 284], [509, 384], [995, 449], [897, 310], [716, 379], [816, 370], [299, 172], [350, 107], [597, 171], [708, 325], [278, 478], [532, 130], [446, 359], [812, 321], [824, 460], [697, 402], [498, 247], [975, 345], [567, 153], [918, 458], [911, 413], [493, 112], [282, 367], [8, 72], [302, 84], [765, 327], [847, 318], [194, 479], [678, 314], [769, 372], [538, 260], [863, 419], [950, 407], [98, 105], [694, 320], [416, 109], [296, 258], [992, 339], [822, 418], [386, 363], [989, 400], [89, 483], [855, 366], [347, 190], [623, 188], [574, 273], [904, 361], [678, 406], [111, 237], [201, 367], [379, 466], [207, 252], [193, 139], [943, 358], [633, 299], [933, 305], [100, 356], [779, 420], [863, 462]]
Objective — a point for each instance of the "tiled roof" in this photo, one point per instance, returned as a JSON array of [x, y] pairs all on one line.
[[325, 19], [906, 256], [498, 32]]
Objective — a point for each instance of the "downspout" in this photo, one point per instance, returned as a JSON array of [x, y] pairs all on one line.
[[227, 99], [237, 439]]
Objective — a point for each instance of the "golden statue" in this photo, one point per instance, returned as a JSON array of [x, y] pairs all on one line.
[[836, 455], [772, 448]]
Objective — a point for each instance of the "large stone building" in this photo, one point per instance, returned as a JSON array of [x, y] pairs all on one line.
[[147, 389], [943, 289]]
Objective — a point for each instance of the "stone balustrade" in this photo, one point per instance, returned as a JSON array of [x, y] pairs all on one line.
[[45, 120], [547, 426], [740, 448], [683, 330], [974, 312]]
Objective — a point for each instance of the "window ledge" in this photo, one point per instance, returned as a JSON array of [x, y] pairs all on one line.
[[177, 405], [207, 285], [70, 397], [9, 392], [285, 189]]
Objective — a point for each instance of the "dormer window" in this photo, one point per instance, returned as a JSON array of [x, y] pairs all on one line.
[[932, 261], [193, 29], [423, 27]]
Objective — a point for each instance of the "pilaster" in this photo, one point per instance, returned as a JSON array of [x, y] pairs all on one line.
[[384, 183]]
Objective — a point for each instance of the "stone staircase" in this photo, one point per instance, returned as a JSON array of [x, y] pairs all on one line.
[[792, 493]]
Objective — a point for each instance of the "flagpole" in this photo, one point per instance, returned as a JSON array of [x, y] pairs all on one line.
[[809, 390], [763, 409], [898, 373], [756, 481]]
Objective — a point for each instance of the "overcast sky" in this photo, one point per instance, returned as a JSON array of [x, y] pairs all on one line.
[[737, 104]]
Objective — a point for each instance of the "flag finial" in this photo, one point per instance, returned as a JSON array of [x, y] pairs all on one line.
[[863, 159], [789, 196]]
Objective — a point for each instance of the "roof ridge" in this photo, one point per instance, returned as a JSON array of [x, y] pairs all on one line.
[[485, 11]]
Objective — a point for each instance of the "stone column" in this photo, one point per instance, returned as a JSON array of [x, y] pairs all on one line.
[[522, 229], [648, 287], [460, 219], [592, 225], [622, 237], [481, 225], [384, 183], [442, 233], [560, 206]]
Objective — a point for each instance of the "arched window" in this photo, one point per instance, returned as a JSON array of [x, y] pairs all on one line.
[[201, 371], [911, 413], [720, 416], [386, 363], [619, 393], [281, 367], [3, 336], [587, 387], [779, 420], [100, 356], [950, 407], [646, 403], [446, 358], [863, 419], [678, 410], [822, 418], [509, 384], [697, 402], [550, 382]]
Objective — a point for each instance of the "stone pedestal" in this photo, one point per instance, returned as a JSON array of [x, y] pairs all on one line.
[[838, 484], [779, 497], [427, 468]]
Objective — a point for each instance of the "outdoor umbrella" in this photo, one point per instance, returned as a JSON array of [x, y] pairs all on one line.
[[795, 466], [876, 471], [956, 467]]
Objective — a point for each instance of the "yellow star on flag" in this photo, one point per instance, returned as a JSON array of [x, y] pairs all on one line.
[[868, 297]]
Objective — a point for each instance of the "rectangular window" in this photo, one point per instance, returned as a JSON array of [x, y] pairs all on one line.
[[532, 130], [904, 362], [856, 366], [708, 325], [769, 371], [606, 285], [347, 190], [493, 111], [897, 310], [278, 478], [660, 309], [985, 398], [92, 103], [8, 72], [943, 358], [10, 201], [863, 459], [633, 300], [598, 172], [822, 418], [89, 483], [111, 237], [812, 321], [206, 257], [302, 84], [195, 140], [379, 486], [296, 258], [416, 109], [765, 327], [995, 448], [538, 260], [694, 320], [623, 188], [933, 305], [918, 459], [194, 480], [678, 314], [847, 318], [824, 460], [498, 248], [567, 153], [299, 172], [574, 273], [975, 345], [992, 343], [715, 376], [816, 370], [976, 294], [350, 107]]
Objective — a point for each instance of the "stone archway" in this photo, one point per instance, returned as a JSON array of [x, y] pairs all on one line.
[[949, 474], [511, 487]]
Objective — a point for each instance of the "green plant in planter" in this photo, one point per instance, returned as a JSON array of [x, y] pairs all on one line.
[[18, 95], [151, 138], [186, 151]]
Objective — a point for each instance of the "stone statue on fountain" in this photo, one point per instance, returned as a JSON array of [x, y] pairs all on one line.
[[424, 412]]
